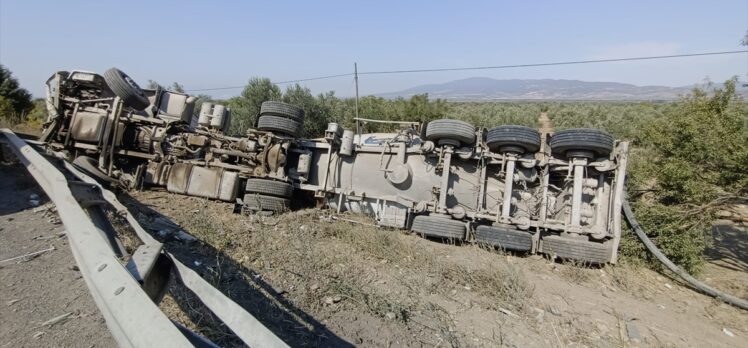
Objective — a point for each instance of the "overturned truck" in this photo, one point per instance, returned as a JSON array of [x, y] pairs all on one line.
[[508, 186]]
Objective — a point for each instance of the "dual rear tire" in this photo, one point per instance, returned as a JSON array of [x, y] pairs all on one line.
[[281, 118], [267, 195], [438, 227]]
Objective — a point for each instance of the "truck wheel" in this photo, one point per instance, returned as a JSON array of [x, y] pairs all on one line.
[[580, 250], [513, 138], [441, 227], [258, 202], [269, 187], [279, 124], [125, 87], [570, 141], [276, 108], [505, 238], [450, 132]]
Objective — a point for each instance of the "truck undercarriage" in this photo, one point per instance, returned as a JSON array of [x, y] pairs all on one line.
[[509, 186]]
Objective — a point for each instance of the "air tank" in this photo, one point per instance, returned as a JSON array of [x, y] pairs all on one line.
[[218, 113], [346, 143], [205, 114]]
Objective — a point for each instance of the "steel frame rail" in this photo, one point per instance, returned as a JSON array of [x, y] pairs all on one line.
[[132, 317]]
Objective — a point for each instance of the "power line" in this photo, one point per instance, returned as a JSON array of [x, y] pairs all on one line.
[[277, 83], [551, 64], [574, 62]]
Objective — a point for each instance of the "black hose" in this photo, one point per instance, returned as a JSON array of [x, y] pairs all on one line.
[[696, 284]]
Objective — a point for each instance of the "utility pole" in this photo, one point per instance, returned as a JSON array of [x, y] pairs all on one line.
[[744, 42], [355, 78]]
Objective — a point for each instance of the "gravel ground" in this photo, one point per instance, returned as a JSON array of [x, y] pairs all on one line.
[[36, 290]]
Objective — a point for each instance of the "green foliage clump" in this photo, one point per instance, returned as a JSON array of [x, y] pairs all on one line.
[[702, 147], [489, 115], [15, 101], [694, 161], [624, 120], [246, 106]]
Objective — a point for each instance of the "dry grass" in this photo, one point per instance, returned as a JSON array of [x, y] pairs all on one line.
[[577, 272], [385, 273]]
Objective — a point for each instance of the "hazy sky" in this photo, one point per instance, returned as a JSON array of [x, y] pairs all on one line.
[[204, 44]]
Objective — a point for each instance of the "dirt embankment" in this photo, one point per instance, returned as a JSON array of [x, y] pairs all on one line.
[[318, 281]]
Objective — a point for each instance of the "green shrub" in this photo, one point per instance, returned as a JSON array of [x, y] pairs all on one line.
[[695, 162]]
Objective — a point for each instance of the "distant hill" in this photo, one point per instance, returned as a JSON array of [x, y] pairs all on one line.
[[486, 89]]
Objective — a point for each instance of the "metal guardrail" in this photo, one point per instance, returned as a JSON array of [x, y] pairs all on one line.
[[131, 315]]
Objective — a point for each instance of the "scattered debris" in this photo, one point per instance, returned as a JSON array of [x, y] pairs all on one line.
[[333, 217], [45, 208], [197, 263], [38, 334], [668, 286], [633, 332], [34, 200], [29, 256], [727, 332], [390, 315], [56, 235], [507, 312], [56, 320]]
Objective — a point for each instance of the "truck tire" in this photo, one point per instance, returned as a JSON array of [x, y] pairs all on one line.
[[269, 187], [513, 138], [592, 140], [276, 108], [441, 227], [450, 132], [258, 202], [505, 238], [278, 124], [574, 249], [125, 87]]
